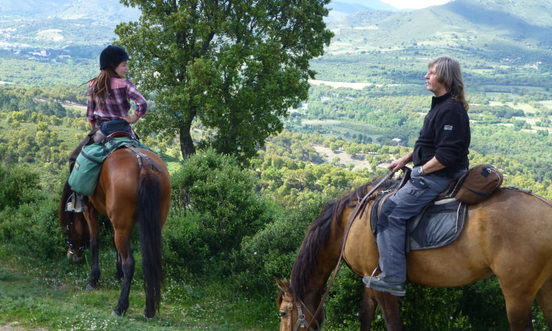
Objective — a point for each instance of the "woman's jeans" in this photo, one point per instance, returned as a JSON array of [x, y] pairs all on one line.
[[406, 203]]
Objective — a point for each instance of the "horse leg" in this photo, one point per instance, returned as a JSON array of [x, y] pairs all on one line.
[[122, 243], [367, 309], [118, 264], [544, 298], [91, 216], [519, 300], [390, 308]]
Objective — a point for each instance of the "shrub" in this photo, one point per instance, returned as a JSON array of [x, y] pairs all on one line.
[[28, 217], [17, 186], [271, 252], [214, 207], [33, 229], [344, 302]]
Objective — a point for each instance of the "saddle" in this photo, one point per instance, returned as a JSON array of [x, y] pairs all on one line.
[[437, 225], [442, 221]]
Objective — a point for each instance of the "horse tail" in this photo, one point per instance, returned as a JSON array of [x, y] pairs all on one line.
[[149, 219]]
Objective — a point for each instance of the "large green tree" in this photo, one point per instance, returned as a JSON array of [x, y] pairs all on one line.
[[236, 66]]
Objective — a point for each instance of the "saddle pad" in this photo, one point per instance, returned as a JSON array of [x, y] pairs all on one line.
[[437, 225], [84, 176]]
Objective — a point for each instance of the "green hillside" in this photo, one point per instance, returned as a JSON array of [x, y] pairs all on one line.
[[232, 229], [106, 11], [497, 44]]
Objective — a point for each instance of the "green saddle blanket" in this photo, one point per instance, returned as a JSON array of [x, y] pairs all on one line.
[[84, 176]]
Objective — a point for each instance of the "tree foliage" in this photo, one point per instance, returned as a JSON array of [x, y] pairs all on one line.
[[236, 66]]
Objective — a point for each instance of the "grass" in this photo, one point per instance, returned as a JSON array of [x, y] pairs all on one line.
[[52, 295]]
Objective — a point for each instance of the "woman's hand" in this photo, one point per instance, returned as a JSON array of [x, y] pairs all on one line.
[[400, 163], [397, 165]]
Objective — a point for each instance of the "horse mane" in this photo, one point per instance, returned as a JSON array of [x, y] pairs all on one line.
[[65, 218], [318, 234]]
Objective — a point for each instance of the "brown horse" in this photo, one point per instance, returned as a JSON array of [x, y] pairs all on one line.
[[508, 235], [133, 187]]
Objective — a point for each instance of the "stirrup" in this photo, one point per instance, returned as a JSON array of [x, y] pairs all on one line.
[[74, 203], [375, 283], [367, 279]]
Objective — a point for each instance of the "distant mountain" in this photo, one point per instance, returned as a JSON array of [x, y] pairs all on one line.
[[31, 8], [369, 34], [370, 4], [97, 10], [341, 10], [527, 15], [503, 12], [460, 24], [47, 30], [498, 42], [346, 8]]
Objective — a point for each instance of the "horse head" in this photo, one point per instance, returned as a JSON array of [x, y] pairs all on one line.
[[294, 313], [75, 226], [77, 238]]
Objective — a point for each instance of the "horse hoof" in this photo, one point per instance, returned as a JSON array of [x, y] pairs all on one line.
[[91, 287], [149, 316], [117, 312]]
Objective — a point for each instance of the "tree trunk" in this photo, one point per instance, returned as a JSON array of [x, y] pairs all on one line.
[[186, 143]]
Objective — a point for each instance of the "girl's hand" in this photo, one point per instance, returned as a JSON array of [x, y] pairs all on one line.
[[131, 119]]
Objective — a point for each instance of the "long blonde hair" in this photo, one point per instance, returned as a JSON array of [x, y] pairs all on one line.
[[448, 72]]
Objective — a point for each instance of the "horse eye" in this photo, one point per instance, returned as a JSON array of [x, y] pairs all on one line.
[[283, 314]]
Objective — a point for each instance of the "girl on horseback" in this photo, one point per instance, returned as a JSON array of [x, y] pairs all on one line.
[[108, 110]]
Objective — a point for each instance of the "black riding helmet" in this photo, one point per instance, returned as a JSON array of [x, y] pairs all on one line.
[[112, 56]]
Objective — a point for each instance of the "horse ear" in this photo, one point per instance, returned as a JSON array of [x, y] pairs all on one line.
[[282, 284]]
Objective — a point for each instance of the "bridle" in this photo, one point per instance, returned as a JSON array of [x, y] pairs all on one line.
[[69, 240], [302, 319]]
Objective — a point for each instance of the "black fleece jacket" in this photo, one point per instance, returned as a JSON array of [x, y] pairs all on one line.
[[445, 135]]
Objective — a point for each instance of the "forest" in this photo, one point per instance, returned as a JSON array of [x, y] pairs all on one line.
[[234, 225]]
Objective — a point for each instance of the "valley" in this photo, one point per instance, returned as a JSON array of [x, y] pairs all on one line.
[[235, 226]]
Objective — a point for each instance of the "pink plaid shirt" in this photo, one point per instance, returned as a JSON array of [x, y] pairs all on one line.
[[117, 103]]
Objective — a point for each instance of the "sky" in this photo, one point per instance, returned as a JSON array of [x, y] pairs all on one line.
[[414, 4]]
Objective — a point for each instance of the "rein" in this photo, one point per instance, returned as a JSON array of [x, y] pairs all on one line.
[[360, 206]]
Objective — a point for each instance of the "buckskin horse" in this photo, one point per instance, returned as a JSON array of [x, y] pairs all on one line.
[[133, 187], [508, 235]]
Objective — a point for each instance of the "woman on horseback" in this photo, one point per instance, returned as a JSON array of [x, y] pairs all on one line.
[[440, 156]]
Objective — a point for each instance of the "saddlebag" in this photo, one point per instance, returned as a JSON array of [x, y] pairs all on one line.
[[478, 184], [84, 176]]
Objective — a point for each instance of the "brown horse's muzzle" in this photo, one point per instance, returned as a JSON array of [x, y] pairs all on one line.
[[75, 257]]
